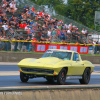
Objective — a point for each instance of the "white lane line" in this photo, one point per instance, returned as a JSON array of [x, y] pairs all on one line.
[[9, 73], [8, 63], [96, 73], [13, 73]]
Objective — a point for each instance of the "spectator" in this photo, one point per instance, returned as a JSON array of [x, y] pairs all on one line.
[[13, 44], [0, 20], [96, 47], [62, 37], [28, 13], [13, 7], [17, 25], [54, 33], [25, 7], [33, 43], [21, 43], [49, 34], [83, 32], [26, 27], [8, 7], [28, 44], [33, 11], [11, 31], [7, 43], [16, 43], [5, 27], [58, 33], [29, 32], [42, 37]]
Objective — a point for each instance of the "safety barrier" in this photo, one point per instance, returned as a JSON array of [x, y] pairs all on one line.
[[51, 93], [47, 42], [42, 46]]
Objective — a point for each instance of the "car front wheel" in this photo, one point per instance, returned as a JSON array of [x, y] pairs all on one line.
[[23, 77], [86, 77], [61, 78]]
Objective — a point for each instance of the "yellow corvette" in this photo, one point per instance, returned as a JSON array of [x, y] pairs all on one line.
[[56, 64]]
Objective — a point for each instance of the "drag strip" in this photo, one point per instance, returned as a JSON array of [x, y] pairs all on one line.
[[9, 77]]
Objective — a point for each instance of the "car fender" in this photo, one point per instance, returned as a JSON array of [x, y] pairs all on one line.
[[88, 64], [25, 61]]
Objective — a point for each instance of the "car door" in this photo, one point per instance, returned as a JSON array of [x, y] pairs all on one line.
[[77, 65]]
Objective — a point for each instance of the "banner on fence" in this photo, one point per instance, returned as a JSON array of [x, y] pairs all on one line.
[[78, 48]]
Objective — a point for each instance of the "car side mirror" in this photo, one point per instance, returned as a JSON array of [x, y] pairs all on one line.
[[77, 59]]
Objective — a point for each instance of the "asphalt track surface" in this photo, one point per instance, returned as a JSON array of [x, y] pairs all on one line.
[[9, 77]]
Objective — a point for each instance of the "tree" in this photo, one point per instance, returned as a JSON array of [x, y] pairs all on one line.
[[82, 11]]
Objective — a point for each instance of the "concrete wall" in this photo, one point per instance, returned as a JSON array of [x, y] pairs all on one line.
[[59, 94], [16, 57]]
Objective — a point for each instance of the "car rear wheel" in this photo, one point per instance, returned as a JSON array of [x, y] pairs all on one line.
[[61, 78], [86, 77], [23, 77]]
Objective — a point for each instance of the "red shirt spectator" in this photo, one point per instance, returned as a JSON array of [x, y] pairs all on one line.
[[34, 39], [40, 14], [23, 25], [32, 9], [29, 31]]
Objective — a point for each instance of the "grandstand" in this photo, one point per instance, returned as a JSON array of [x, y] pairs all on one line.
[[41, 22]]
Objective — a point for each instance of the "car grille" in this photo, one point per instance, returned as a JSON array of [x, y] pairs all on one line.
[[38, 70]]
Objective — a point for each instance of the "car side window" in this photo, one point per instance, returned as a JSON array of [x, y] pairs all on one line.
[[75, 56]]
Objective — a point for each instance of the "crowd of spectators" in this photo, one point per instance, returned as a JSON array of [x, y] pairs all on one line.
[[28, 20]]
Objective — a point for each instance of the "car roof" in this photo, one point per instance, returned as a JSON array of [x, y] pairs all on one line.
[[63, 50]]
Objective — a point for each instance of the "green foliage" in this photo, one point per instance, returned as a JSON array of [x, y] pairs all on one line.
[[52, 3], [82, 11]]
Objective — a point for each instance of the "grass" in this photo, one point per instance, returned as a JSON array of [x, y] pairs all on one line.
[[41, 52], [22, 52]]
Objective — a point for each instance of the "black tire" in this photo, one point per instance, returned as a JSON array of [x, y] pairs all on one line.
[[61, 78], [85, 77], [50, 79], [23, 78]]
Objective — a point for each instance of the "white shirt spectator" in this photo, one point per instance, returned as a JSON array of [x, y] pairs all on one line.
[[5, 27], [86, 31], [57, 26], [26, 28], [4, 5], [83, 31], [49, 33], [11, 4], [66, 26], [38, 12], [68, 31]]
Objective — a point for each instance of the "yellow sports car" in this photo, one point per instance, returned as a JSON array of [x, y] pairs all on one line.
[[56, 64]]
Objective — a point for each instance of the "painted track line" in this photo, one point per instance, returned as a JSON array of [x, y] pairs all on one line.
[[15, 73]]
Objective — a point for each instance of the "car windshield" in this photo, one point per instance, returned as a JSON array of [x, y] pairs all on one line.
[[59, 54]]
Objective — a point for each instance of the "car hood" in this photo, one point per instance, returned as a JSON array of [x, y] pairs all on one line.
[[41, 62]]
